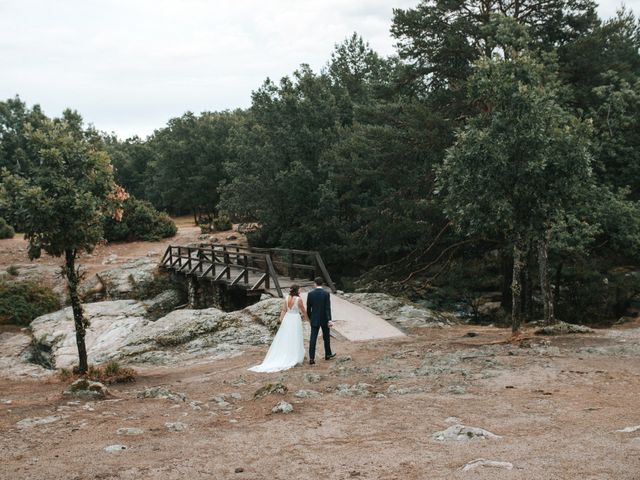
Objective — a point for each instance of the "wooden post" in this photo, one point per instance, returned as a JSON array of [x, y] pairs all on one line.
[[325, 272], [246, 269], [273, 274], [291, 262], [227, 260]]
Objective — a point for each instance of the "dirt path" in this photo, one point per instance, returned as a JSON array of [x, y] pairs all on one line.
[[556, 404]]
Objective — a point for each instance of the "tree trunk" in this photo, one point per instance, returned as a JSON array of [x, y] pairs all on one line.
[[526, 300], [195, 217], [556, 294], [545, 284], [506, 261], [78, 318], [516, 287]]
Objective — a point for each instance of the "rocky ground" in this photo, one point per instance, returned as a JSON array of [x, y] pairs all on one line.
[[426, 406], [449, 400]]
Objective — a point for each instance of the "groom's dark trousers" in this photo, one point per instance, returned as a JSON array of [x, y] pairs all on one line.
[[319, 311]]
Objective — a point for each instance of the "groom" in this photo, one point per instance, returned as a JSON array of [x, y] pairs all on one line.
[[319, 311]]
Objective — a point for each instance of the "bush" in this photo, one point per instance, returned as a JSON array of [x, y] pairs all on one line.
[[110, 372], [140, 221], [222, 223], [6, 230], [21, 302], [13, 270], [594, 296]]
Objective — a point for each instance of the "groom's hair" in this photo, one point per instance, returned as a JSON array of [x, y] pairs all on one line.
[[318, 281]]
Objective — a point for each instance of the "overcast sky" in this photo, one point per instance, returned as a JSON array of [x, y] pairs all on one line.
[[129, 65]]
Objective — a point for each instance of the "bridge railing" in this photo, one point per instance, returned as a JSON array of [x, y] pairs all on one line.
[[234, 264], [292, 263], [233, 268]]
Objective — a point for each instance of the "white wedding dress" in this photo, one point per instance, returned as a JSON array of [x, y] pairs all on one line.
[[287, 348]]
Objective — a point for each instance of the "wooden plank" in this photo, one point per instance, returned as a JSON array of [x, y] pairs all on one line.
[[207, 270], [237, 279], [260, 281], [199, 264], [221, 274], [167, 252]]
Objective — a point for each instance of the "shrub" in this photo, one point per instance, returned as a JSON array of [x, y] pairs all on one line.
[[13, 270], [110, 372], [593, 296], [21, 302], [222, 223], [140, 221], [6, 230]]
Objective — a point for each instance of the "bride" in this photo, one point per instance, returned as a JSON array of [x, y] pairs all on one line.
[[287, 348]]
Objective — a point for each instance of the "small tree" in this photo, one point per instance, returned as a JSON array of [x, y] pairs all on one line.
[[518, 167], [63, 202]]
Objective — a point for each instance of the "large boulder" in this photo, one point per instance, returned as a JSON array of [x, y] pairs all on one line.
[[16, 356], [111, 325], [123, 330]]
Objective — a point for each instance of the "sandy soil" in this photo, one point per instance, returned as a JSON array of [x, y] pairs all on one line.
[[557, 412], [556, 403], [14, 251]]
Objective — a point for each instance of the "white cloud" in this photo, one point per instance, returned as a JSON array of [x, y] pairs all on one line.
[[128, 66]]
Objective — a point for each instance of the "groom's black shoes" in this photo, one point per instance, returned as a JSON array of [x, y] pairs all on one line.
[[312, 362], [329, 357]]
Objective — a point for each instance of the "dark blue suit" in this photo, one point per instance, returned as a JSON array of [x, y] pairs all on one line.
[[319, 311]]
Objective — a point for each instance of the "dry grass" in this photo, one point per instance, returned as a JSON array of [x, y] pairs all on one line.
[[110, 372]]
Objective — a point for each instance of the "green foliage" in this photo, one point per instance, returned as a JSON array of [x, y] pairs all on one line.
[[17, 153], [592, 295], [276, 175], [188, 166], [442, 53], [63, 202], [13, 270], [21, 302], [616, 118], [132, 160], [590, 59], [522, 162], [6, 230], [222, 223], [140, 221]]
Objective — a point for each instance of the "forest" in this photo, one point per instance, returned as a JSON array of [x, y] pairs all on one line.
[[495, 155]]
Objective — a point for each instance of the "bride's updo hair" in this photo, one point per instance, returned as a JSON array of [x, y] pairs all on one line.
[[294, 290]]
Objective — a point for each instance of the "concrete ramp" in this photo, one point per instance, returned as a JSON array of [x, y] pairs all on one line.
[[356, 323]]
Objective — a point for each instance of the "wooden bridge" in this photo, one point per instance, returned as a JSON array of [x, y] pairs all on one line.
[[232, 277], [253, 270]]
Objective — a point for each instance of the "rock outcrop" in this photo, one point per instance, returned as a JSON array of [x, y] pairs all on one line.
[[129, 280], [125, 330], [401, 312], [17, 356]]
